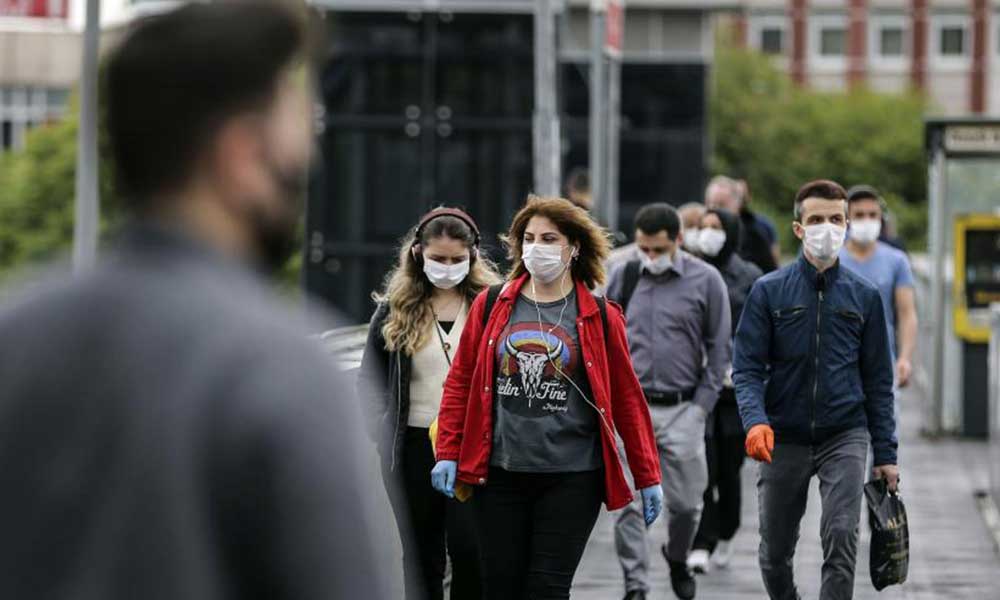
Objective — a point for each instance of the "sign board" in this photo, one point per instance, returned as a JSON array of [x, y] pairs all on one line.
[[41, 9], [972, 139], [977, 274], [614, 30]]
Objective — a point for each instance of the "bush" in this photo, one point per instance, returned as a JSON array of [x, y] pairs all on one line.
[[37, 188], [778, 136]]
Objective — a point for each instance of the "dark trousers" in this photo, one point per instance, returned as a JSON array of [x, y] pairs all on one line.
[[783, 490], [720, 519], [534, 528], [428, 524]]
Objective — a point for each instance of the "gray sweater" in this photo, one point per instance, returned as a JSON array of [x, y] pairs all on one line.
[[165, 433]]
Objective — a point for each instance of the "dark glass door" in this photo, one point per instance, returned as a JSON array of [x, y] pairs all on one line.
[[422, 109]]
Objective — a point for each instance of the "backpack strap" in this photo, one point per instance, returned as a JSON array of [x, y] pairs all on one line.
[[630, 282], [491, 299]]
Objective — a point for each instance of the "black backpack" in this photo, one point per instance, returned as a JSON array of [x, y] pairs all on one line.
[[631, 279], [494, 293]]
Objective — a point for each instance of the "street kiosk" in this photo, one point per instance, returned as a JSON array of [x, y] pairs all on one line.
[[964, 237]]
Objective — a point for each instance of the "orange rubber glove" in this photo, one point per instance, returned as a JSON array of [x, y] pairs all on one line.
[[760, 443]]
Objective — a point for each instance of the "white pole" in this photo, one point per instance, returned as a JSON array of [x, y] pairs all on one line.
[[598, 118], [87, 209], [547, 141]]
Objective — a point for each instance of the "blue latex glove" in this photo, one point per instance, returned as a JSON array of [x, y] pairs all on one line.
[[443, 477], [652, 503]]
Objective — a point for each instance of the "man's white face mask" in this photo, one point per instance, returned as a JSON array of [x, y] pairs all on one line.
[[823, 240], [865, 231]]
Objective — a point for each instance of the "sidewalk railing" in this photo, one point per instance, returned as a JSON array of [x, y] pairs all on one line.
[[994, 402]]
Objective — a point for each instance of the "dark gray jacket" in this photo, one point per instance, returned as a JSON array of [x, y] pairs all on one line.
[[165, 435], [384, 389]]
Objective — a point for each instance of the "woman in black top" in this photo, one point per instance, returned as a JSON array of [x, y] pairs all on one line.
[[412, 339], [721, 234]]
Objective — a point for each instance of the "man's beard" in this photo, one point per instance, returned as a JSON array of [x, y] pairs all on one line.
[[275, 236]]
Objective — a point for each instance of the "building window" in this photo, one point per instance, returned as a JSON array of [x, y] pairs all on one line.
[[22, 108], [772, 40], [833, 41], [891, 41], [952, 41]]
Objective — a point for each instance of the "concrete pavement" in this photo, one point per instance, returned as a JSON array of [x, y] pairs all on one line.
[[951, 555]]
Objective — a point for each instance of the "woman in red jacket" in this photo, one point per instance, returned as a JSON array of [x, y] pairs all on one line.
[[535, 395]]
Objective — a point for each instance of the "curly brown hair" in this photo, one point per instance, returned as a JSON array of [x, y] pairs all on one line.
[[573, 222]]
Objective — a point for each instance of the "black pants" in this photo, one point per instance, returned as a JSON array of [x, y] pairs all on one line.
[[430, 518], [534, 528], [724, 445]]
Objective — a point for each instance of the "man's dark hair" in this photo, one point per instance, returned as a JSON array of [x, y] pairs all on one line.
[[820, 188], [578, 181], [177, 77], [659, 216]]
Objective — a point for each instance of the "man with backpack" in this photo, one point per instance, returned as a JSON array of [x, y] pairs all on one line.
[[679, 323]]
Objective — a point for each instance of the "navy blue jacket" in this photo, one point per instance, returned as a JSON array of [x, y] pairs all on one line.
[[812, 358]]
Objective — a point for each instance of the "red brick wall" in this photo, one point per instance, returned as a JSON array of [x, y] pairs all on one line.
[[857, 43], [918, 59], [980, 54], [798, 13]]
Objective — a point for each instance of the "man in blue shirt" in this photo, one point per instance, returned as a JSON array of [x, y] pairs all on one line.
[[886, 267], [813, 375]]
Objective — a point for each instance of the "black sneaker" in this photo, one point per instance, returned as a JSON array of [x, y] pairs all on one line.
[[681, 579], [635, 595]]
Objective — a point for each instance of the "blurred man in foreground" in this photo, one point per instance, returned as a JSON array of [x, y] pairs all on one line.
[[164, 433]]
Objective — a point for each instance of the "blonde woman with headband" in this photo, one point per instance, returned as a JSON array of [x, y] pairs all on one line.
[[412, 340], [540, 385]]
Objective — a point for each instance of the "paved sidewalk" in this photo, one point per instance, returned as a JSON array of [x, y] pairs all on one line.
[[952, 556]]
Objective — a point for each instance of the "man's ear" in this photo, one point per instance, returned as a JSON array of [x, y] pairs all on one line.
[[798, 230]]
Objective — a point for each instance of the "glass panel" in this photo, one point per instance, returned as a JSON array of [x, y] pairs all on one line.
[[891, 42], [772, 41], [57, 100], [484, 67], [832, 41], [953, 41], [973, 186], [375, 66]]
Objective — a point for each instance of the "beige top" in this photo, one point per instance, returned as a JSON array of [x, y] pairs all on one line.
[[430, 368]]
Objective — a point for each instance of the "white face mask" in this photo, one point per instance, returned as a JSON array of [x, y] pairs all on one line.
[[658, 265], [712, 241], [692, 239], [544, 261], [865, 232], [445, 276], [823, 241]]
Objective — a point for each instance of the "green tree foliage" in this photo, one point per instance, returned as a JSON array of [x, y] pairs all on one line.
[[36, 196], [37, 188], [778, 136]]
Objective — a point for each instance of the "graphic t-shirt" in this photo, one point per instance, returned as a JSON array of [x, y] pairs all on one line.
[[542, 424]]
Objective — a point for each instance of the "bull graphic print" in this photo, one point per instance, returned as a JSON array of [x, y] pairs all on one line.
[[530, 362]]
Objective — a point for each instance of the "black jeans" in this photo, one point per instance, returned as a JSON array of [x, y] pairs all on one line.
[[720, 519], [426, 519], [534, 528]]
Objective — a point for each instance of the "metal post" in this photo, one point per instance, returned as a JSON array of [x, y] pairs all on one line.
[[87, 209], [613, 139], [938, 253], [598, 85], [547, 141]]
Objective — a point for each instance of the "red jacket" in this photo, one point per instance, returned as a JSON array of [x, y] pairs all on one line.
[[465, 420]]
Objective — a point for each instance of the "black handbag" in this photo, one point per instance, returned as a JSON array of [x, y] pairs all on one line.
[[890, 545]]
